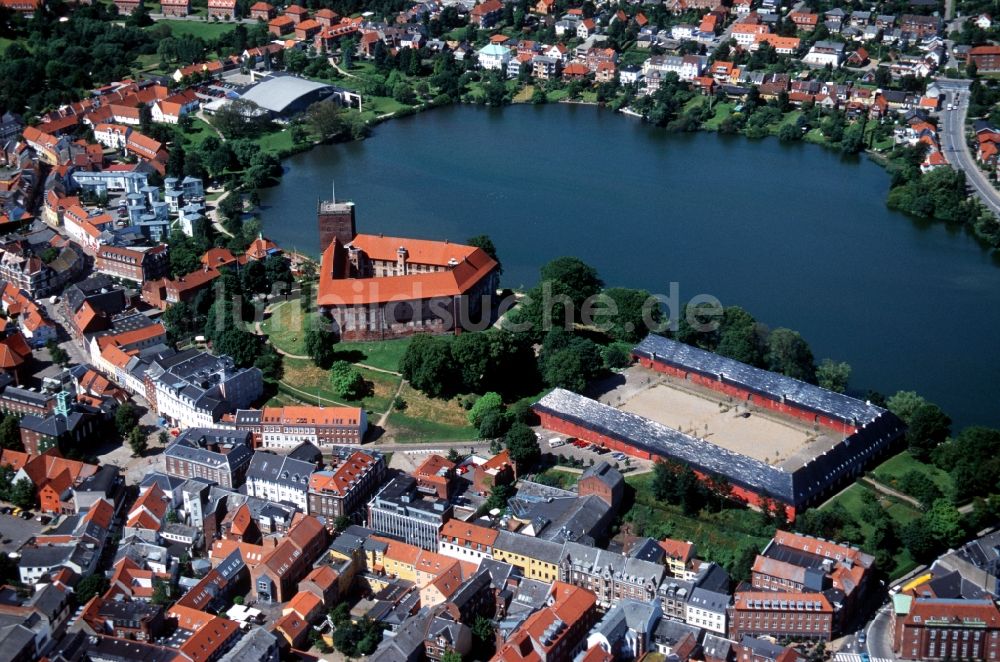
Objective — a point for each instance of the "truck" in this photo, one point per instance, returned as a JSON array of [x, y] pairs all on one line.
[[556, 442]]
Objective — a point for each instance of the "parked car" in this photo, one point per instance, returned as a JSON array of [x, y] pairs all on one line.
[[27, 514]]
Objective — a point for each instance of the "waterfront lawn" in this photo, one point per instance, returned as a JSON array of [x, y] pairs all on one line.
[[892, 471], [720, 536], [722, 111], [852, 500], [276, 142], [207, 30]]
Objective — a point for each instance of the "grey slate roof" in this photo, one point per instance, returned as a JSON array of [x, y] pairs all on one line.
[[280, 469], [193, 445], [785, 389], [536, 548], [669, 632], [709, 600]]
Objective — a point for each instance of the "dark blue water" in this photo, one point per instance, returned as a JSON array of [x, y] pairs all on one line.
[[796, 234]]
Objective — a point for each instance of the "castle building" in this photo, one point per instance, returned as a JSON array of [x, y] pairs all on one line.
[[374, 287]]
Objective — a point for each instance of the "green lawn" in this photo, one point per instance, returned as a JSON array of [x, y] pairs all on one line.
[[285, 327], [722, 111], [310, 381], [567, 479], [409, 429], [4, 43], [384, 354], [199, 131], [205, 29], [276, 142], [890, 471]]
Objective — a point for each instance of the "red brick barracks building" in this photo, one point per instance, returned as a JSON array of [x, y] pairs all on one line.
[[865, 431]]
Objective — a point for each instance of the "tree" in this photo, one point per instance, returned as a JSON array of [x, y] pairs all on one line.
[[489, 403], [239, 344], [58, 354], [633, 313], [126, 418], [789, 354], [163, 438], [347, 382], [253, 278], [341, 523], [178, 320], [500, 494], [471, 352], [137, 442], [428, 365], [321, 343], [22, 493], [573, 277], [493, 425], [10, 433], [325, 120], [944, 523], [741, 337], [89, 586], [522, 444], [928, 427], [161, 592], [833, 376], [270, 364], [904, 404]]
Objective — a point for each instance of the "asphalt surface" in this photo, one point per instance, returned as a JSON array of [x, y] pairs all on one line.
[[880, 635], [17, 531], [951, 131]]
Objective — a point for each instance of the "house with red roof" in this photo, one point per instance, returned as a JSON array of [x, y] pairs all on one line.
[[554, 633], [276, 578], [171, 109], [281, 25], [224, 9], [486, 14], [262, 11], [175, 7], [297, 13]]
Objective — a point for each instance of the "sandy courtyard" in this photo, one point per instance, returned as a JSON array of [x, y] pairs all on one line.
[[711, 418]]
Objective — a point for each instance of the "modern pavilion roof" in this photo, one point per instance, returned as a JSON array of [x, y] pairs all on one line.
[[779, 387]]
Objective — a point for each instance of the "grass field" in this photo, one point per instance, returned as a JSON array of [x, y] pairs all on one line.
[[429, 419], [722, 111], [285, 327], [890, 471], [306, 377], [199, 131], [205, 29], [384, 354]]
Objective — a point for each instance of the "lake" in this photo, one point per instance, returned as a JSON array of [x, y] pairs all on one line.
[[796, 234]]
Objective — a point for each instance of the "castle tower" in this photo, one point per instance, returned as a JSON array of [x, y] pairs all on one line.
[[336, 219]]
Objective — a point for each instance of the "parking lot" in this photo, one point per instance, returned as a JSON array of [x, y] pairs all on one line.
[[14, 531], [585, 452]]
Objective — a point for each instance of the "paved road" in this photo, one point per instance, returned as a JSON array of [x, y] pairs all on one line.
[[951, 131], [880, 635]]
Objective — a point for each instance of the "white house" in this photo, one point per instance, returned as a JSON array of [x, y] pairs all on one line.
[[494, 57], [112, 135], [984, 21], [171, 109], [683, 31], [823, 53], [279, 478], [707, 610]]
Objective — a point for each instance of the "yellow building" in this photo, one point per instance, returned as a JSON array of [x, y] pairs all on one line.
[[537, 558]]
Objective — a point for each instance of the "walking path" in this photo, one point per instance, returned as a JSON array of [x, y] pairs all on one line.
[[215, 216], [885, 489]]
